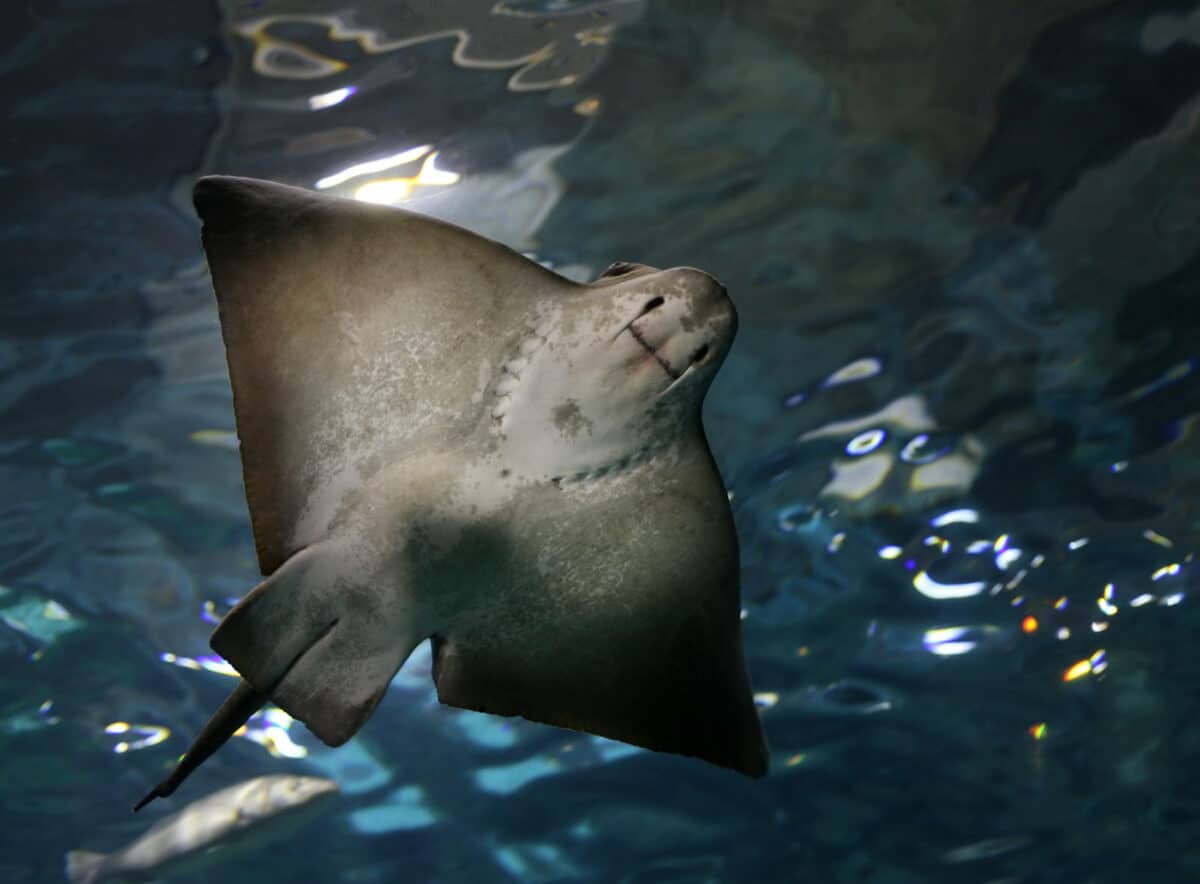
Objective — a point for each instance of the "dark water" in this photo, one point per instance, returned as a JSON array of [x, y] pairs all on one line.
[[958, 423]]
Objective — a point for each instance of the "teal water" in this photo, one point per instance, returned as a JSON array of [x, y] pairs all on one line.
[[958, 422]]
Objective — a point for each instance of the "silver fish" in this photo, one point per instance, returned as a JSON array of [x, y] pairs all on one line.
[[208, 830]]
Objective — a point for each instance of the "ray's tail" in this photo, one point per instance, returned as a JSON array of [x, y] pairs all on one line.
[[234, 712]]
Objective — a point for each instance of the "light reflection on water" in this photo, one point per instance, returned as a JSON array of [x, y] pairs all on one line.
[[957, 426]]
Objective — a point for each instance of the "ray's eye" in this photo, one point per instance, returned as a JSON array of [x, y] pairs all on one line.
[[619, 268], [701, 354]]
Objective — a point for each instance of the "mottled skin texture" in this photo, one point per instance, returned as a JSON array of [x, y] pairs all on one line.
[[442, 439]]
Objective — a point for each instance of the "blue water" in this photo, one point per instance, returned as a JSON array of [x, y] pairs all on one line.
[[958, 423]]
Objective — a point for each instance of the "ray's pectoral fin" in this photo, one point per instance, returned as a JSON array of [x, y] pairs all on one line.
[[687, 694], [318, 642]]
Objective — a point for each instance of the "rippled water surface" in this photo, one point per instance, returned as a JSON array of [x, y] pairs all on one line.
[[958, 424]]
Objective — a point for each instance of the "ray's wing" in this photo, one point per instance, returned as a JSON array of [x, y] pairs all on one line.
[[353, 332], [638, 636]]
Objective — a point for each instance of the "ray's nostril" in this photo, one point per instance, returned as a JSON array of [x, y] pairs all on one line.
[[701, 354], [652, 304]]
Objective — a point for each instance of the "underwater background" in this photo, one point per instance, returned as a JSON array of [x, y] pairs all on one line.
[[958, 423]]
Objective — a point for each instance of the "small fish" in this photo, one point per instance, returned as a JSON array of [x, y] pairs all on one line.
[[986, 849], [238, 817]]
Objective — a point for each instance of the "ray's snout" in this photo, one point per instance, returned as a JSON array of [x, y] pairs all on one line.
[[687, 320], [714, 300], [699, 301]]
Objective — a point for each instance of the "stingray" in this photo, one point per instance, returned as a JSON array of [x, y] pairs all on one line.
[[441, 439]]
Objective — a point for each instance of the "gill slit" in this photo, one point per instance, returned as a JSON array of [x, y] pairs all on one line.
[[529, 347]]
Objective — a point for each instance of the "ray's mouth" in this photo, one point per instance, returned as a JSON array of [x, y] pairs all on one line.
[[646, 346]]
